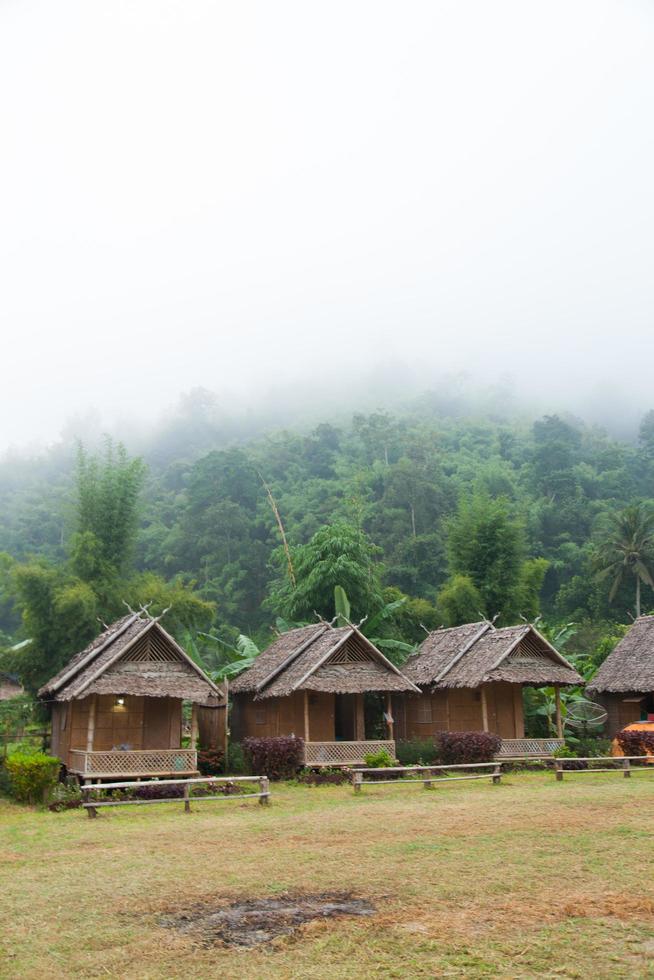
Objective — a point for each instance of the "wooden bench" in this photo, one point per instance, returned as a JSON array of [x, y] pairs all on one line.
[[430, 778], [92, 806]]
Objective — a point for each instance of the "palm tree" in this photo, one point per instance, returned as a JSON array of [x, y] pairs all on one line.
[[628, 549]]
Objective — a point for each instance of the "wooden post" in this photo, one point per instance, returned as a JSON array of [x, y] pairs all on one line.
[[91, 810], [357, 781], [389, 712], [484, 709], [226, 690], [90, 731], [557, 702], [264, 790], [359, 718], [427, 783], [187, 795], [559, 769], [497, 773], [626, 765], [306, 717], [194, 726]]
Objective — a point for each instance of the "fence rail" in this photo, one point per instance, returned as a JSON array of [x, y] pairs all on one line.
[[263, 795], [494, 774], [624, 764]]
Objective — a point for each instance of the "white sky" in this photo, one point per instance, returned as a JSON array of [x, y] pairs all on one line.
[[226, 194]]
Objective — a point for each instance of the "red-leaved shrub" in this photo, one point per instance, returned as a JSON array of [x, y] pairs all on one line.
[[278, 757], [211, 762], [458, 748], [635, 742]]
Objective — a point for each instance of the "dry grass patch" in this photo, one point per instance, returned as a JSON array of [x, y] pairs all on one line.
[[530, 878]]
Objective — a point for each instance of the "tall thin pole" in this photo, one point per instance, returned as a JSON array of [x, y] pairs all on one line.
[[306, 716], [557, 703], [484, 709]]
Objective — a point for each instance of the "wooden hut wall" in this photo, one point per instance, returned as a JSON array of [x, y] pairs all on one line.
[[141, 723], [623, 709], [283, 716], [459, 709], [211, 728]]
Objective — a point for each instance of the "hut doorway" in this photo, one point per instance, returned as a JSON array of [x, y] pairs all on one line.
[[345, 717]]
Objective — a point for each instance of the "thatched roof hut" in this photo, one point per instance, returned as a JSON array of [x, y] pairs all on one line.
[[336, 660], [117, 704], [313, 681], [630, 665], [471, 678], [478, 653], [624, 683]]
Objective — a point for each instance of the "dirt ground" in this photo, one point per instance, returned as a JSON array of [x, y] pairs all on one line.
[[532, 878]]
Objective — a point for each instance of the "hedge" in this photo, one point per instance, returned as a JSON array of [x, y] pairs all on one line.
[[32, 776]]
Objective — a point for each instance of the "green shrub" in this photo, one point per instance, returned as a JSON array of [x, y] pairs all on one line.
[[418, 752], [65, 796], [32, 777], [5, 782], [378, 760], [236, 761]]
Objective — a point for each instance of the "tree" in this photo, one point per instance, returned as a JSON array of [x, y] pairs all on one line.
[[628, 550], [486, 548], [108, 489], [337, 554], [461, 601]]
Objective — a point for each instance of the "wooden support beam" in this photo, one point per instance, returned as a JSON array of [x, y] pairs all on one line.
[[306, 716], [557, 702], [359, 718], [194, 727], [484, 709], [389, 714], [90, 731]]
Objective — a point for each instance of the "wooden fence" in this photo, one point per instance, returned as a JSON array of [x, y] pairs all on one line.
[[263, 795], [430, 777], [624, 764]]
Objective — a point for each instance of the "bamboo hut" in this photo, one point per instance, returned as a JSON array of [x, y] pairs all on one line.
[[330, 686], [624, 684], [117, 705], [10, 687], [471, 679]]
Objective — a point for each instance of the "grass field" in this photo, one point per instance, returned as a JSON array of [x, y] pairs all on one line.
[[532, 878]]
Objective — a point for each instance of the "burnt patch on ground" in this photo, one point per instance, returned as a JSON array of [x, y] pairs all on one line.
[[253, 922]]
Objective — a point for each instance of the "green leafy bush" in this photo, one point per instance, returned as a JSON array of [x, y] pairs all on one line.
[[32, 777], [65, 796], [418, 752], [378, 760], [236, 761]]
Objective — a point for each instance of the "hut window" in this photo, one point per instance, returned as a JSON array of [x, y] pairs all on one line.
[[260, 716], [424, 711]]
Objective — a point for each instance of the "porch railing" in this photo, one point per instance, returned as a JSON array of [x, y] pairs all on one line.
[[512, 748], [344, 753], [137, 762]]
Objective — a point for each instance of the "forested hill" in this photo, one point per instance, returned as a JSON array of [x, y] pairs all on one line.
[[447, 502]]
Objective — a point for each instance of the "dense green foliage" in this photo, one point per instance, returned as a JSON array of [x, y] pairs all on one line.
[[422, 518], [32, 775]]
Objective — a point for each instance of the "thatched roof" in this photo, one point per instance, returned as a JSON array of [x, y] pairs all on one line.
[[135, 655], [477, 653], [10, 687], [629, 668], [321, 658]]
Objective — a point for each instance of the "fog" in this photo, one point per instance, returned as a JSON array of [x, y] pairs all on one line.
[[314, 204]]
